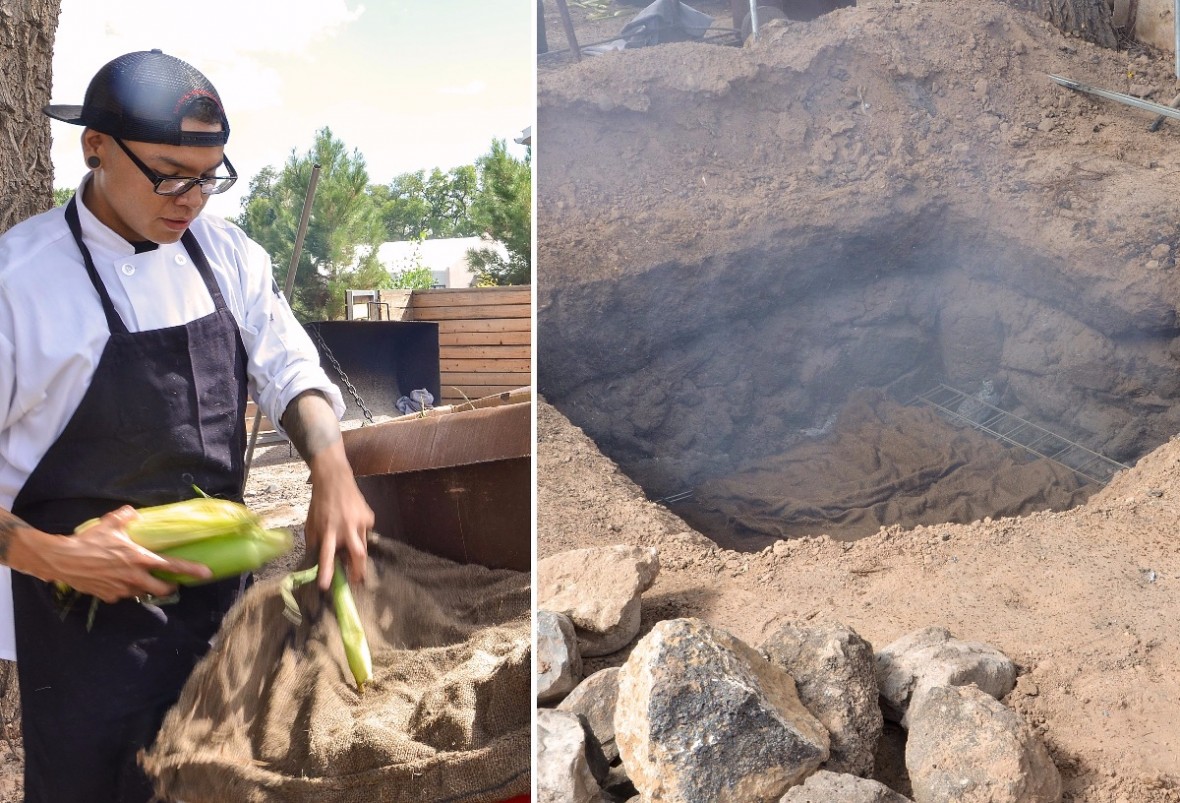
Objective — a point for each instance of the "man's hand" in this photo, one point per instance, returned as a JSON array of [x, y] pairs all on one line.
[[99, 560], [338, 519]]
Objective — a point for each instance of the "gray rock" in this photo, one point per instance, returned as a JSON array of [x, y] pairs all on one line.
[[559, 664], [599, 590], [932, 657], [563, 774], [965, 746], [702, 717], [594, 698], [831, 787], [835, 677]]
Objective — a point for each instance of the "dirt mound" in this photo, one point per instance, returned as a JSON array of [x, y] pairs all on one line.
[[732, 242], [898, 105]]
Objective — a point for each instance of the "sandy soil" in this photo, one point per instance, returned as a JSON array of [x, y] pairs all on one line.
[[938, 111]]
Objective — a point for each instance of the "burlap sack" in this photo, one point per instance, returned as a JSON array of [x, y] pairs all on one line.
[[273, 714]]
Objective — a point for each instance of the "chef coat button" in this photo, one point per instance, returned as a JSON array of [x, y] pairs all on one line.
[[180, 259], [128, 269]]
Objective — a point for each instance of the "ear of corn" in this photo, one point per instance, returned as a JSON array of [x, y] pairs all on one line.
[[356, 646], [228, 555], [223, 535], [166, 526]]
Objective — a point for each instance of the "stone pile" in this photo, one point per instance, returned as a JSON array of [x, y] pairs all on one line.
[[695, 715]]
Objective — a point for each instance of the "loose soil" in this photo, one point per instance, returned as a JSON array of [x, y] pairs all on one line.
[[732, 242], [1084, 601]]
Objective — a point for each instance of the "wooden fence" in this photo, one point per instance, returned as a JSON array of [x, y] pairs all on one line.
[[484, 335]]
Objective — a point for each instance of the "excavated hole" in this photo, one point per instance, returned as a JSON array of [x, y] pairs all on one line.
[[763, 394]]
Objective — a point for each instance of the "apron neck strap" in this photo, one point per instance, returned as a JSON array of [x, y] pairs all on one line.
[[189, 241], [114, 322]]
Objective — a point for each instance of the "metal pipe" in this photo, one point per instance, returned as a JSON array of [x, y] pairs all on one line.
[[1119, 97], [288, 289], [754, 19], [303, 221]]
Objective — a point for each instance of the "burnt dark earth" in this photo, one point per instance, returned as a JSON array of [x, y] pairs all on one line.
[[731, 242]]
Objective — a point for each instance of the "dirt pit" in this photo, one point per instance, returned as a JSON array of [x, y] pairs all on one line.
[[747, 256], [736, 242]]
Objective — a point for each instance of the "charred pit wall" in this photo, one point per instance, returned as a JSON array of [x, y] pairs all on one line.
[[687, 372], [732, 243]]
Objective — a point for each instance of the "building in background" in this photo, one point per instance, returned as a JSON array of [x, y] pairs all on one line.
[[445, 258]]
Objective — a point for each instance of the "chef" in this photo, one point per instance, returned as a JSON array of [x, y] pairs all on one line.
[[131, 329]]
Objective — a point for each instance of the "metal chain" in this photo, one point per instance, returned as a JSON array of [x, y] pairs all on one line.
[[315, 330]]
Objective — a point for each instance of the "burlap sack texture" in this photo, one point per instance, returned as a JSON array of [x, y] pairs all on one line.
[[273, 714]]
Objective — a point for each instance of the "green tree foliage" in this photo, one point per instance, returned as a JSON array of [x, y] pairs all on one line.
[[62, 195], [503, 209], [344, 231], [437, 205], [419, 278]]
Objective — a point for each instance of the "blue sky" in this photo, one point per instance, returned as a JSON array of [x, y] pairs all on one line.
[[411, 84]]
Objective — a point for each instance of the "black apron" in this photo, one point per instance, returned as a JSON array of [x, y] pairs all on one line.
[[164, 411]]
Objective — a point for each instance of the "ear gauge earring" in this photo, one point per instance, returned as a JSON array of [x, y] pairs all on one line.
[[93, 162]]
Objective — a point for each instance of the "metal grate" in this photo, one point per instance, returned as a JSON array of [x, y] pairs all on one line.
[[971, 411]]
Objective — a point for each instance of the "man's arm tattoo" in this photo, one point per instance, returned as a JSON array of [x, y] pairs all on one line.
[[9, 524], [310, 423]]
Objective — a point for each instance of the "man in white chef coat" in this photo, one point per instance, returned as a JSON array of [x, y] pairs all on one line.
[[131, 329]]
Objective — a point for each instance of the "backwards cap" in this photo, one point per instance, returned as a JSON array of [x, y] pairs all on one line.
[[143, 97]]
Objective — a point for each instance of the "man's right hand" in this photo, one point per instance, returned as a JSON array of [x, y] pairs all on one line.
[[99, 560]]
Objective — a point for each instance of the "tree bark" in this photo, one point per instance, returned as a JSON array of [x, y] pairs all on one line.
[[1092, 20], [27, 29]]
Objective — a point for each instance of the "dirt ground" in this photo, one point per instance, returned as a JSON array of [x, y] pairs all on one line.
[[1084, 601], [938, 111]]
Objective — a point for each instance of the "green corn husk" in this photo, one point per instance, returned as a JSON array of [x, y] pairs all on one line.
[[356, 646], [166, 526], [352, 632], [228, 555]]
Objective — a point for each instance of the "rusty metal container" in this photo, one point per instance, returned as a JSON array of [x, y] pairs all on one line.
[[456, 482]]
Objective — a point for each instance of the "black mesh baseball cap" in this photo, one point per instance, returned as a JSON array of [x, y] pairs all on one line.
[[143, 97]]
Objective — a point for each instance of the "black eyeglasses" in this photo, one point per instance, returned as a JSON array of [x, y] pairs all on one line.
[[179, 185]]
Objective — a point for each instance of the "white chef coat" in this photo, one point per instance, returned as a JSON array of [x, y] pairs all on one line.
[[53, 331]]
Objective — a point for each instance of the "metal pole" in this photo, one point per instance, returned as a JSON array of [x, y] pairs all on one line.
[[287, 291], [1119, 97], [568, 23], [1176, 26], [754, 19], [295, 254]]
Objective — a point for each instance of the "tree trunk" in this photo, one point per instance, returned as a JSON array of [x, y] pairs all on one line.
[[1092, 20], [27, 29]]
